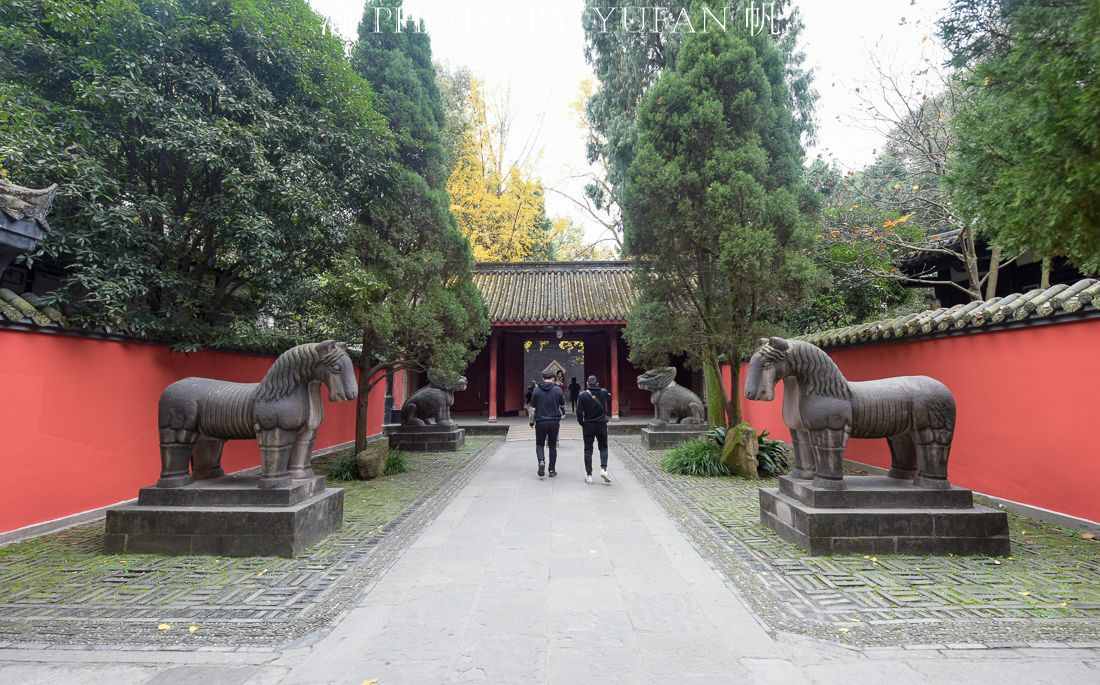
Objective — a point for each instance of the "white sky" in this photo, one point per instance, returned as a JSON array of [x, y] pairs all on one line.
[[537, 53]]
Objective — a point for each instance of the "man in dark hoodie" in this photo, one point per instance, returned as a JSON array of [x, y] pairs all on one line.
[[548, 403], [593, 407]]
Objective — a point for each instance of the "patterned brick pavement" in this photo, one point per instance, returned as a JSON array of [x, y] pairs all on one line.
[[1047, 593], [61, 589]]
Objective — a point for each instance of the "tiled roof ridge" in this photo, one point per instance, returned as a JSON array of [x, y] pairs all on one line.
[[1035, 305], [588, 265]]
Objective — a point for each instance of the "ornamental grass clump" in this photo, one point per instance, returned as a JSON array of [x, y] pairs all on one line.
[[395, 464], [344, 467], [700, 457]]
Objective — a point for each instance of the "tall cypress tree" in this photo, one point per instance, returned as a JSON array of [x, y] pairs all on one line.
[[715, 205], [409, 281]]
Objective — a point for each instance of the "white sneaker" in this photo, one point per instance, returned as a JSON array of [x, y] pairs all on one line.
[[588, 479], [606, 476]]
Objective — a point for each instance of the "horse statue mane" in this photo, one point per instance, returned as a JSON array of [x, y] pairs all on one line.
[[282, 412], [286, 374], [822, 409], [822, 375]]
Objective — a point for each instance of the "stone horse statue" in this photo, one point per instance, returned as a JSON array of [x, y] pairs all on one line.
[[432, 403], [672, 402], [282, 412], [916, 414]]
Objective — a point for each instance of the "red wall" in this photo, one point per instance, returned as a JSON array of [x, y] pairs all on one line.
[[1027, 403], [78, 428]]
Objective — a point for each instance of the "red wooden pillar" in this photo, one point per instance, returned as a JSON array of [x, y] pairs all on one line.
[[613, 335], [494, 344]]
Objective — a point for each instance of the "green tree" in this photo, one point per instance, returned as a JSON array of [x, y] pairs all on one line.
[[1028, 162], [628, 62], [212, 155], [849, 249], [398, 64], [408, 278], [716, 208]]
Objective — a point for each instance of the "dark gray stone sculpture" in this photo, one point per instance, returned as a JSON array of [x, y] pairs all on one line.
[[911, 510], [916, 414], [22, 219], [432, 403], [282, 412], [426, 423], [672, 402]]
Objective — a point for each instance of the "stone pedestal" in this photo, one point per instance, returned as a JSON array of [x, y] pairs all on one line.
[[228, 516], [431, 438], [880, 515], [670, 435]]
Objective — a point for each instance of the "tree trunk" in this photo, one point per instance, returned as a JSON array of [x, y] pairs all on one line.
[[733, 403], [970, 262], [715, 397], [362, 404], [1044, 281], [994, 268]]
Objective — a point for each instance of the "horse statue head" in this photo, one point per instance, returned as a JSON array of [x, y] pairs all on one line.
[[767, 367], [326, 362]]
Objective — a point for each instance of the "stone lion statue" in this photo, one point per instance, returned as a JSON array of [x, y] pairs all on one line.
[[672, 402], [432, 403]]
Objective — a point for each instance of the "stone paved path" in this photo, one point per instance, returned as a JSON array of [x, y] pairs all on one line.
[[527, 581]]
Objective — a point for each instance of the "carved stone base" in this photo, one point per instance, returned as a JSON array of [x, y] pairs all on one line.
[[227, 516], [880, 515], [427, 438], [667, 437]]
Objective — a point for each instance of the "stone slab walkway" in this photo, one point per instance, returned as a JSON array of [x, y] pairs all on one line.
[[527, 581]]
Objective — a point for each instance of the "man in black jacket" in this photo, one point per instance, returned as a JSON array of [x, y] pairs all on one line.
[[593, 407], [548, 404]]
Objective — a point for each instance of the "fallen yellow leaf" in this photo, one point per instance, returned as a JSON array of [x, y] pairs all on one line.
[[164, 626], [193, 629], [1025, 593], [370, 681]]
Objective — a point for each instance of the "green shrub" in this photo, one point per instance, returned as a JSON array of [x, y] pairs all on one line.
[[344, 467], [771, 459], [699, 457], [395, 463]]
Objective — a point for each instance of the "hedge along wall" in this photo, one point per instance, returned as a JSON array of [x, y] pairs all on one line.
[[78, 424], [1028, 409]]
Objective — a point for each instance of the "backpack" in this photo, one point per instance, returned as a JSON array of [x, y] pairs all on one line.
[[599, 401]]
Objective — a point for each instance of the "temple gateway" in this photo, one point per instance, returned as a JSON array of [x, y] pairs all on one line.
[[568, 314]]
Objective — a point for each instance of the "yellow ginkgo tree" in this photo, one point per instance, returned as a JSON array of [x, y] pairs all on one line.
[[499, 204]]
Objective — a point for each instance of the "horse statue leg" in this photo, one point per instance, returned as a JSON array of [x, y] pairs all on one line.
[[803, 455], [903, 456], [829, 444], [935, 428], [300, 454], [207, 458], [176, 447], [275, 447]]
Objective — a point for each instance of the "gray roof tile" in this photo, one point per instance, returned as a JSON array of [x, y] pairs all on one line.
[[1034, 305]]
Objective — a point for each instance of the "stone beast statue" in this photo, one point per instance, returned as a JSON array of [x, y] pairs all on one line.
[[916, 414], [672, 403], [432, 403], [282, 412]]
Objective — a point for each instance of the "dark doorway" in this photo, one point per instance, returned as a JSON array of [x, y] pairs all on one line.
[[544, 353]]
